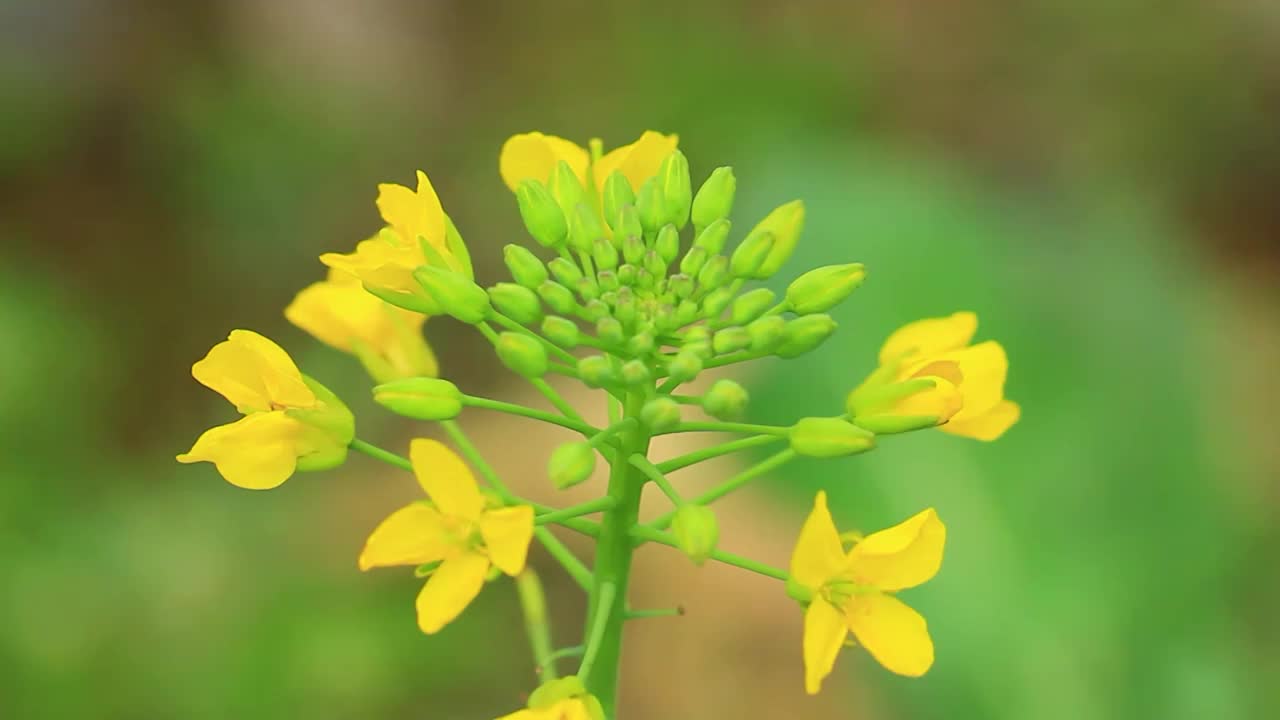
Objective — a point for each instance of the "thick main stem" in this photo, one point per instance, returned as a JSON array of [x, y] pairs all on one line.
[[613, 558]]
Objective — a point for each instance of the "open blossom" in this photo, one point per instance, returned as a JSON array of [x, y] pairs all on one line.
[[852, 591], [387, 339], [456, 528], [534, 155], [290, 421]]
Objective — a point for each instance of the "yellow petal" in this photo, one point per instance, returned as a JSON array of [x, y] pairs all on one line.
[[902, 556], [895, 635], [377, 262], [942, 401], [412, 535], [534, 155], [818, 555], [825, 629], [929, 337], [638, 161], [989, 425], [446, 479], [253, 373], [450, 589], [341, 313], [984, 367], [257, 452], [507, 533], [413, 214]]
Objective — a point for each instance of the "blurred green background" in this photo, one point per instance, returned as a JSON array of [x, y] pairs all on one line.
[[1098, 180]]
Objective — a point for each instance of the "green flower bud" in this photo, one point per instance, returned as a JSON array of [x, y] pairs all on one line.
[[420, 398], [625, 307], [633, 249], [628, 273], [617, 194], [588, 288], [715, 198], [628, 223], [655, 265], [522, 354], [668, 244], [642, 342], [635, 372], [660, 414], [696, 334], [651, 206], [584, 228], [567, 191], [570, 464], [785, 222], [821, 289], [751, 305], [516, 302], [608, 281], [726, 400], [561, 331], [455, 294], [715, 302], [677, 190], [566, 271], [701, 349], [731, 339], [645, 280], [696, 532], [525, 267], [767, 332], [713, 237], [804, 334], [557, 297], [829, 437], [750, 254], [596, 371], [595, 309], [604, 254], [685, 366], [609, 330], [686, 312], [714, 273], [542, 216], [692, 262], [681, 285]]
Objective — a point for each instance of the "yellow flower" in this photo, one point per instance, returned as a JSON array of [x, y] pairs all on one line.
[[561, 699], [291, 422], [456, 529], [415, 221], [851, 592], [939, 348], [567, 709], [534, 155], [388, 340]]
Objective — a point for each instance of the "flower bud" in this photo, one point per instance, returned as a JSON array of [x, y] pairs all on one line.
[[655, 265], [714, 273], [651, 206], [716, 301], [561, 331], [681, 285], [804, 334], [617, 194], [686, 312], [525, 267], [821, 289], [767, 332], [633, 249], [921, 402], [634, 372], [660, 414], [685, 366], [595, 309], [785, 222], [642, 342], [522, 354], [609, 330], [713, 237], [584, 228], [696, 532], [557, 297], [588, 289], [570, 464], [516, 302], [542, 216], [596, 371], [566, 271], [725, 400], [455, 294], [751, 305], [420, 398], [750, 254], [628, 273], [829, 437], [715, 198], [677, 190], [668, 244], [567, 191], [604, 254], [692, 262], [731, 339], [628, 223]]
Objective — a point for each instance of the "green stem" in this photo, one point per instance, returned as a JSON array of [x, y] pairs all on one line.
[[652, 472], [569, 513], [697, 456], [534, 413], [728, 427], [655, 613], [555, 398], [728, 486], [614, 549], [734, 358], [644, 533], [385, 456], [533, 604]]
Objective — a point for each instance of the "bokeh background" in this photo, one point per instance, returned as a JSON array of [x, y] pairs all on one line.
[[1098, 180]]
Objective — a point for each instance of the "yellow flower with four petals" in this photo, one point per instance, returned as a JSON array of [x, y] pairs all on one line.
[[851, 591], [290, 421], [458, 528], [534, 155]]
